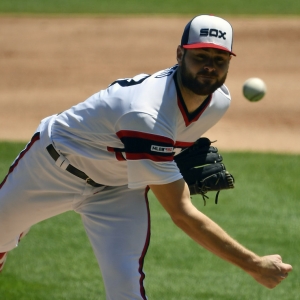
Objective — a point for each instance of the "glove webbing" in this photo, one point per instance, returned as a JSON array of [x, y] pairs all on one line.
[[195, 188]]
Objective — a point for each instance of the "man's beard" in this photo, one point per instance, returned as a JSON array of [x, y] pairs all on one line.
[[200, 88]]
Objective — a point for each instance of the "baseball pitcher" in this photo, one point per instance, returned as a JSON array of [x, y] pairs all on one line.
[[100, 158]]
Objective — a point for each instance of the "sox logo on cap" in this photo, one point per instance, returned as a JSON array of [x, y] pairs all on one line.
[[207, 31], [212, 32]]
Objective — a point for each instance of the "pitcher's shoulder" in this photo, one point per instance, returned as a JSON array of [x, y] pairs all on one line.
[[223, 91]]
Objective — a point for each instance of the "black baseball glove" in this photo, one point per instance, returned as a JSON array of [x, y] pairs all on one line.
[[202, 168]]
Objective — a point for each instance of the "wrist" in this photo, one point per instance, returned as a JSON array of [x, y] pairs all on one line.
[[253, 264]]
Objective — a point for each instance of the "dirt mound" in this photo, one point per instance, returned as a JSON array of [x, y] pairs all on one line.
[[49, 64]]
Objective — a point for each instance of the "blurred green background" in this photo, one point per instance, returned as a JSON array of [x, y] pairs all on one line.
[[236, 7]]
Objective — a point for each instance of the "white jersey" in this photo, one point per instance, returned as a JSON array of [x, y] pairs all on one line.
[[129, 132]]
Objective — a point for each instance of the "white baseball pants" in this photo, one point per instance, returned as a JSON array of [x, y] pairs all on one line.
[[116, 219]]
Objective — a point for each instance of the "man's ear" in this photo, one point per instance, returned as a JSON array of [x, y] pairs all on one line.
[[179, 55]]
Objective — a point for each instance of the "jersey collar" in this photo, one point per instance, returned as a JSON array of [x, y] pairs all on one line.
[[189, 117]]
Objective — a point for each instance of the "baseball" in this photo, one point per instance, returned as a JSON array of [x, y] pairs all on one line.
[[254, 89]]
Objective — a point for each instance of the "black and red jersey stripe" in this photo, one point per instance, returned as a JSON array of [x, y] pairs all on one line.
[[183, 145], [118, 153], [140, 145]]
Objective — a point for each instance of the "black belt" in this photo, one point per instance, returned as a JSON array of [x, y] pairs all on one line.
[[71, 169]]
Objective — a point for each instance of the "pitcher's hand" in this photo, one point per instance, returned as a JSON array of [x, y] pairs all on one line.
[[271, 271]]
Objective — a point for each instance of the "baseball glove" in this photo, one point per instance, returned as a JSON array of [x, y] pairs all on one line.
[[202, 168]]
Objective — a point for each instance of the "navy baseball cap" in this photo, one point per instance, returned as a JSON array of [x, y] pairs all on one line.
[[207, 31]]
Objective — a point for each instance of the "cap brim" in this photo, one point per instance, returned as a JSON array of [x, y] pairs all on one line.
[[207, 45]]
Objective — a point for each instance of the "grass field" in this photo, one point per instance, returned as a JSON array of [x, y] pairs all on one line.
[[55, 261], [254, 7]]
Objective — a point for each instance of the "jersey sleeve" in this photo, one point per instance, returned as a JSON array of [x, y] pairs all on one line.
[[149, 151]]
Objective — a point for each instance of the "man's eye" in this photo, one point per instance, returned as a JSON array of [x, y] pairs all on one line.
[[220, 60], [200, 57]]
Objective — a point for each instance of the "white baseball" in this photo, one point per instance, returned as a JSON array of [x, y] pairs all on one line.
[[254, 89]]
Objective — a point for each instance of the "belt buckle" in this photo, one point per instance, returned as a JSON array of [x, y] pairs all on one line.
[[91, 182]]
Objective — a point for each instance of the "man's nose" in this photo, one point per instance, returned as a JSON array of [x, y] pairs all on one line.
[[209, 68], [209, 65]]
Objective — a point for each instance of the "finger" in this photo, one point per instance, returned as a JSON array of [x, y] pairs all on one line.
[[283, 276], [279, 258], [286, 268]]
